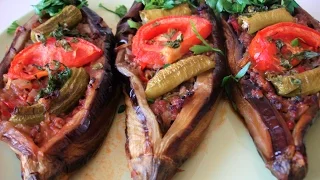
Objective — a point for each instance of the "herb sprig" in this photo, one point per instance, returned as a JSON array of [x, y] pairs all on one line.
[[238, 76], [53, 7], [198, 49], [120, 10], [239, 6], [13, 27], [162, 4]]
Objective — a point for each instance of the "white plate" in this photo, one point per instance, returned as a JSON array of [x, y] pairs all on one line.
[[227, 152]]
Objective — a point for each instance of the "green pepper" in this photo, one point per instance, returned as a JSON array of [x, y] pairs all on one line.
[[305, 83], [259, 20], [69, 16], [151, 14], [28, 114], [170, 77]]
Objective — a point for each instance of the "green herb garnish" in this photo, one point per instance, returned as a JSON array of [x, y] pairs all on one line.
[[285, 63], [162, 4], [239, 6], [121, 109], [197, 49], [133, 24], [165, 66], [305, 55], [295, 42], [13, 27], [53, 7], [56, 79], [150, 101], [238, 76], [176, 43], [120, 10], [279, 44]]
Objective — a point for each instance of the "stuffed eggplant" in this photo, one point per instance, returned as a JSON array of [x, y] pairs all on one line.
[[278, 95], [58, 92], [172, 66]]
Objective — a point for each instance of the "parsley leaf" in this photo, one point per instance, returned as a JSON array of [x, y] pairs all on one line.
[[196, 48], [53, 7], [12, 28], [120, 10], [162, 4], [305, 55], [133, 24], [238, 76], [239, 6], [295, 42]]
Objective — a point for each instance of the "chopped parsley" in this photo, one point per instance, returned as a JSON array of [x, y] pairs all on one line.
[[305, 55], [295, 42], [57, 78], [285, 63], [13, 27], [279, 44], [240, 6], [176, 43], [120, 10]]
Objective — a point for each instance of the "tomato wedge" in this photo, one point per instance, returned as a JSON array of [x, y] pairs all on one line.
[[150, 44], [81, 52], [263, 51]]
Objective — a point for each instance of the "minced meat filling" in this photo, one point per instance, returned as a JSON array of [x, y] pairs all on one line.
[[167, 107]]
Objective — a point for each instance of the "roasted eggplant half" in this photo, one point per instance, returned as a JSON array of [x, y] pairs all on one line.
[[58, 93], [278, 95], [172, 68]]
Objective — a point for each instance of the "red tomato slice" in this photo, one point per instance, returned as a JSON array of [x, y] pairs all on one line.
[[263, 52], [151, 51], [81, 53]]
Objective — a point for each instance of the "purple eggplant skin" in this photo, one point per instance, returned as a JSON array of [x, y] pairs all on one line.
[[79, 144], [283, 152], [163, 164]]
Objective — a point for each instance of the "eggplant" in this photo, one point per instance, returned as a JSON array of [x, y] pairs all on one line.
[[281, 148], [80, 138], [151, 152]]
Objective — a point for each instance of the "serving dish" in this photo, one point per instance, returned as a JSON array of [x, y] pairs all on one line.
[[226, 153]]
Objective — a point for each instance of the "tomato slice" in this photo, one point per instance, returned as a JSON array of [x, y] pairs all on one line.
[[150, 43], [82, 52], [263, 52]]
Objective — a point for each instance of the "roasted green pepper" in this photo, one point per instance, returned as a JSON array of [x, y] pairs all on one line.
[[71, 92], [148, 15], [170, 77], [259, 20], [28, 114], [69, 16], [305, 83]]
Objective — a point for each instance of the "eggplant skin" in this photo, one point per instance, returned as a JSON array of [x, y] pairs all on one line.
[[72, 150], [283, 152], [152, 155]]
